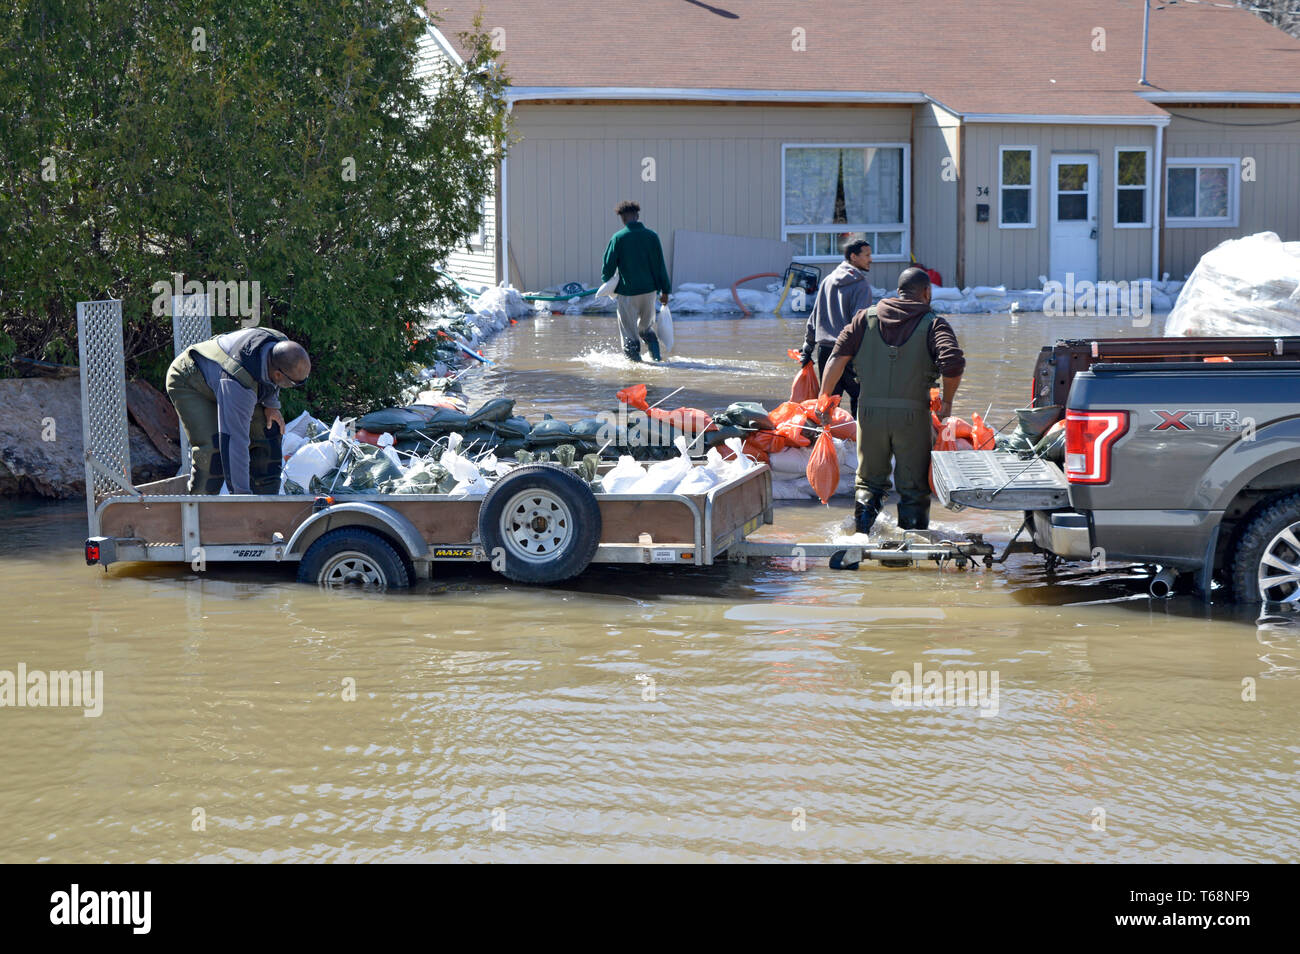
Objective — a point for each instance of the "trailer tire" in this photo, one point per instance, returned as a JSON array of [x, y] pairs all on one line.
[[1275, 531], [540, 524], [351, 555]]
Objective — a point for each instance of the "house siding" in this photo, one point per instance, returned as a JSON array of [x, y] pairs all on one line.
[[471, 263], [717, 169], [1017, 257], [935, 173], [1271, 203]]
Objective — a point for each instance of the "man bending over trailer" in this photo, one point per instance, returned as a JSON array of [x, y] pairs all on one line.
[[227, 393], [897, 349]]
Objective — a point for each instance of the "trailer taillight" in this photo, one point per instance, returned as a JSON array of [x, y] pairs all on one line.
[[1089, 436], [92, 553]]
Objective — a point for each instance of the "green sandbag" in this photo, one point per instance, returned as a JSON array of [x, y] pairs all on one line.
[[510, 427], [498, 409], [549, 432], [391, 419], [1033, 422], [749, 414], [366, 469], [1052, 447], [589, 428], [422, 477]]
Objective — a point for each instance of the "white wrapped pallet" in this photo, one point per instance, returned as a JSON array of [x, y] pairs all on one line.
[[1246, 286]]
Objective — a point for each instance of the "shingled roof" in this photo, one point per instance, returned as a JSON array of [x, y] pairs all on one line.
[[976, 57]]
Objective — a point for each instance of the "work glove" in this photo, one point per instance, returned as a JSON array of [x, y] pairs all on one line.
[[805, 358]]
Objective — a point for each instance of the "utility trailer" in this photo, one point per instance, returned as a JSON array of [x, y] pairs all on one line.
[[538, 524]]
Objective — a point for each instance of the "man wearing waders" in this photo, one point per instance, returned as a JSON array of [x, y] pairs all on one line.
[[898, 349], [639, 259], [227, 393]]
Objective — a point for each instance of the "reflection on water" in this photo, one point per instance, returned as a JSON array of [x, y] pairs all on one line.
[[490, 721]]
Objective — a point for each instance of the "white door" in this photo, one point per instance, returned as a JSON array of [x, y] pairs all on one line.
[[1074, 218]]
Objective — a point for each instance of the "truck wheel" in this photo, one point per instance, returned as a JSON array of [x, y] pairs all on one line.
[[543, 520], [1266, 559], [352, 556]]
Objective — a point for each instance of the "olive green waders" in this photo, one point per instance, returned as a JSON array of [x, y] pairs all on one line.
[[894, 421], [197, 407]]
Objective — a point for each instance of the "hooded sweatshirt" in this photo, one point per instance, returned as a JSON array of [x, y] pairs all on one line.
[[897, 319], [841, 295]]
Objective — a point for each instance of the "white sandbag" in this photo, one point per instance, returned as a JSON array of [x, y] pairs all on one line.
[[338, 431], [664, 330], [505, 298], [688, 302], [311, 460], [607, 289], [1246, 286], [663, 476], [303, 425], [721, 296], [469, 480], [945, 293], [989, 291], [791, 461], [792, 489], [623, 475], [289, 446], [696, 288], [386, 446], [699, 481]]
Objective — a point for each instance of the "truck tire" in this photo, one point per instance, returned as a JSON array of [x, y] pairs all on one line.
[[1266, 558], [540, 524], [353, 556]]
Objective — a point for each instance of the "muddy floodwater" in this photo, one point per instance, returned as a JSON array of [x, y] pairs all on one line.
[[739, 712]]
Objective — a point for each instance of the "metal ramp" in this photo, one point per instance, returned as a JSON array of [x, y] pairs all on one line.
[[994, 480], [106, 445]]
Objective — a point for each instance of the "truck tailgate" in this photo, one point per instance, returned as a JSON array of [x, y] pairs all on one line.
[[993, 480]]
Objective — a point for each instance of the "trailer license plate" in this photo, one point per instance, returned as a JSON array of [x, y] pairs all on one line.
[[663, 556]]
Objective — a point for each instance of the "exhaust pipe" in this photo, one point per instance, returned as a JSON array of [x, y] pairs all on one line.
[[1162, 584]]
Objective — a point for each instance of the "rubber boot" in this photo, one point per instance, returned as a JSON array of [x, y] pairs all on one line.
[[865, 513], [632, 349], [652, 342], [913, 516]]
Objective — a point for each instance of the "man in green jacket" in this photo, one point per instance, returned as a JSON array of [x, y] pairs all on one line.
[[636, 254]]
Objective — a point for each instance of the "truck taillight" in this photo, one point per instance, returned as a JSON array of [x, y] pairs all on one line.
[[1089, 436]]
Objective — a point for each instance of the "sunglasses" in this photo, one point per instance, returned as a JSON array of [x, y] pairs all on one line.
[[292, 383]]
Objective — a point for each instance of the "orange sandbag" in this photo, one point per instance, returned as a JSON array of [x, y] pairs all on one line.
[[982, 436], [634, 396], [805, 386], [689, 420], [791, 419], [823, 471], [762, 444], [953, 434], [843, 425], [367, 437]]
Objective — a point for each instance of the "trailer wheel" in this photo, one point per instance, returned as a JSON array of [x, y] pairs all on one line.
[[540, 524], [351, 556], [1266, 559]]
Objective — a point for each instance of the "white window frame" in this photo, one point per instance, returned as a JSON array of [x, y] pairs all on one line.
[[1149, 187], [1033, 187], [1233, 165], [905, 226]]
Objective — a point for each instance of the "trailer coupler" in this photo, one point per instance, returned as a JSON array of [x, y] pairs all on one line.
[[916, 547]]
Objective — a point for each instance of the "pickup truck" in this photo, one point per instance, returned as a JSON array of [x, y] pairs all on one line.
[[1180, 453]]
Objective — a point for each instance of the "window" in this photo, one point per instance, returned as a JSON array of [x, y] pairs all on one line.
[[1201, 193], [478, 238], [1017, 208], [834, 193], [1132, 188]]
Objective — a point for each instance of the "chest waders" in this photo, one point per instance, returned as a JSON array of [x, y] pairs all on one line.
[[196, 406], [894, 422]]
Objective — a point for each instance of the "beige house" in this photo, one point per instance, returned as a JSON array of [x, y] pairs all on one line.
[[991, 143]]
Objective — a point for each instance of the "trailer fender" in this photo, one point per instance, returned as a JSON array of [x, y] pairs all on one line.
[[359, 514]]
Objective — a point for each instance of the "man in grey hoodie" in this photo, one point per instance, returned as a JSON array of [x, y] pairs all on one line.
[[842, 294]]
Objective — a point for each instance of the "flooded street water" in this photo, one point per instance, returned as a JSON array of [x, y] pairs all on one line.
[[495, 722]]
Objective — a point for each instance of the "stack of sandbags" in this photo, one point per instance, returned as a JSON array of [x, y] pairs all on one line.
[[1242, 287]]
